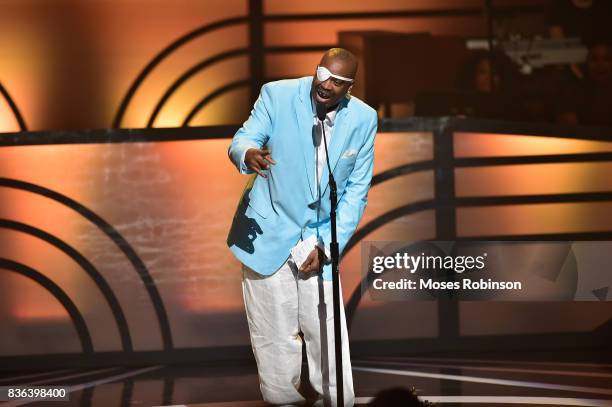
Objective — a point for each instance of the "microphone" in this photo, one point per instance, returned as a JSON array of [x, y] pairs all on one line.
[[321, 111]]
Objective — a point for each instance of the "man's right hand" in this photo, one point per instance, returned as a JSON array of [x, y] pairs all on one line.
[[258, 160]]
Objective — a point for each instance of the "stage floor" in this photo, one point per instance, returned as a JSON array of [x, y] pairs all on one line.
[[446, 381]]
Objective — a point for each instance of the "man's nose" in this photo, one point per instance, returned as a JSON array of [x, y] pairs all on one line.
[[326, 85]]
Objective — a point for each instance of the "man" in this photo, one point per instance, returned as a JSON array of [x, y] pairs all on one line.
[[590, 101], [286, 205]]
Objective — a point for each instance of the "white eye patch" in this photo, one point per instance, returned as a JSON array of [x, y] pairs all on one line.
[[324, 74]]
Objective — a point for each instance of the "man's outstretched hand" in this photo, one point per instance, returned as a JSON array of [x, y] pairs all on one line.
[[314, 261], [258, 160]]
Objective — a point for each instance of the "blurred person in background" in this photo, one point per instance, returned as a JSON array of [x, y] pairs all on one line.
[[589, 102], [486, 81], [397, 397], [584, 19], [475, 75]]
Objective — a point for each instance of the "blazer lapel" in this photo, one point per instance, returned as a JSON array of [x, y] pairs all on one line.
[[336, 144], [305, 119]]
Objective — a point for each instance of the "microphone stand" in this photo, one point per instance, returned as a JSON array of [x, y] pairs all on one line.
[[335, 255]]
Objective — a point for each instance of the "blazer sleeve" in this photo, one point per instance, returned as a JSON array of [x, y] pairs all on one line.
[[353, 201], [255, 132]]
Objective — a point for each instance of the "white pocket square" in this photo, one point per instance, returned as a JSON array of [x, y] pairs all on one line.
[[349, 153]]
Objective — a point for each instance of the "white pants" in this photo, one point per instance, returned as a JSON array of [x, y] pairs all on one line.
[[278, 307]]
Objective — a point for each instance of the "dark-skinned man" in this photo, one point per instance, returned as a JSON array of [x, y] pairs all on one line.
[[281, 229]]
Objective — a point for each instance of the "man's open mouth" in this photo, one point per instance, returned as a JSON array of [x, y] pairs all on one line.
[[323, 95]]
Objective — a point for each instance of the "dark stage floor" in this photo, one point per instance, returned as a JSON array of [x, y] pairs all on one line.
[[447, 381]]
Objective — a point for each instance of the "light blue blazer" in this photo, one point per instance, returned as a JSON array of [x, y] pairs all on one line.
[[274, 213]]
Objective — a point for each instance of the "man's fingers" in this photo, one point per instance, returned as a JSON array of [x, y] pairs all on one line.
[[311, 264], [256, 161], [306, 264], [314, 266], [255, 167], [259, 160], [260, 172], [269, 159], [262, 163], [266, 155]]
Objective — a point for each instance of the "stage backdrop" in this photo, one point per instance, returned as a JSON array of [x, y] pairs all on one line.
[[114, 240], [74, 64]]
